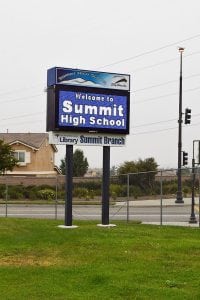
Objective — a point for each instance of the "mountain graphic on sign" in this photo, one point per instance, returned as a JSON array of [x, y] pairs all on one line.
[[80, 81], [119, 81]]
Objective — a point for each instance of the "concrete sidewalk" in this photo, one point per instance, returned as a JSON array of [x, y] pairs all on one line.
[[165, 203], [157, 202], [184, 224]]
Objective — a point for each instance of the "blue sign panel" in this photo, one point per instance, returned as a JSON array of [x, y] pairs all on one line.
[[92, 111], [86, 78]]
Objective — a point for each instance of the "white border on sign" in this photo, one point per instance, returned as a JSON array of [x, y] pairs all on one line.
[[86, 139]]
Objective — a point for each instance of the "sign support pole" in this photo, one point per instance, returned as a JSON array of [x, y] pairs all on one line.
[[68, 185], [105, 185]]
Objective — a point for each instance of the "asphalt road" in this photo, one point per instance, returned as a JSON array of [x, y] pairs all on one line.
[[93, 212]]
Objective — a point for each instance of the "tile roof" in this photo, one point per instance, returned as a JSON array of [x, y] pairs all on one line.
[[33, 140]]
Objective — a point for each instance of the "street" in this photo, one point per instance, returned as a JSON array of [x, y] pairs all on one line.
[[144, 213]]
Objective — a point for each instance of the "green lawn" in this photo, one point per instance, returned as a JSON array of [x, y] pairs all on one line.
[[38, 260]]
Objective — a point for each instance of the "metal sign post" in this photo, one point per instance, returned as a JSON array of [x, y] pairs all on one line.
[[69, 184], [105, 185]]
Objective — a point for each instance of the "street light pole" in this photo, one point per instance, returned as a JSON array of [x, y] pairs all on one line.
[[179, 196]]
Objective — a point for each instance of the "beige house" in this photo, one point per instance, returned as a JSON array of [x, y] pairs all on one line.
[[36, 156]]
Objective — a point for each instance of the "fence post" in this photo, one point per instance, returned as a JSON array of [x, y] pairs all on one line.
[[127, 203], [161, 199], [6, 197], [199, 195], [56, 199]]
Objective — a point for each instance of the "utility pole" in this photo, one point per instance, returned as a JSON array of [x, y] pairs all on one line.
[[179, 196]]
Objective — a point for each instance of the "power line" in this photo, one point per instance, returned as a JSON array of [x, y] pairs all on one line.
[[163, 62], [21, 98], [136, 70], [140, 69], [23, 123], [166, 95], [154, 123], [142, 125], [22, 116], [139, 55], [146, 100], [18, 90], [164, 83], [162, 121], [150, 51], [137, 126], [161, 130], [154, 131]]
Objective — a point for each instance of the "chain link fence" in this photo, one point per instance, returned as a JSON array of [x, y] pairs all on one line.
[[147, 197]]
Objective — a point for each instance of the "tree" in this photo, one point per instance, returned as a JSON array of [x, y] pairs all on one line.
[[144, 172], [62, 166], [7, 159], [113, 171], [146, 165], [80, 164]]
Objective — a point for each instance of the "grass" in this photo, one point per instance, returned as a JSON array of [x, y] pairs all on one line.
[[38, 260]]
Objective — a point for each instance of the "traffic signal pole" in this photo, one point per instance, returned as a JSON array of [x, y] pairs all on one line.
[[193, 219], [192, 216], [179, 196]]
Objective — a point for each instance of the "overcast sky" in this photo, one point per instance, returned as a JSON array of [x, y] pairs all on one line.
[[140, 38]]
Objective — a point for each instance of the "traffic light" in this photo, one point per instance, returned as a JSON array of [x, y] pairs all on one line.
[[198, 154], [185, 158], [187, 116]]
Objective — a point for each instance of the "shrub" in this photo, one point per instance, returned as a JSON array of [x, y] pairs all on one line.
[[89, 185], [135, 191], [80, 192], [15, 192], [170, 188], [116, 190], [113, 195], [2, 190], [186, 191], [91, 194], [46, 194], [61, 194]]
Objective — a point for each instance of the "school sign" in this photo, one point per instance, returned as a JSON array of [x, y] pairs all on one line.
[[81, 101]]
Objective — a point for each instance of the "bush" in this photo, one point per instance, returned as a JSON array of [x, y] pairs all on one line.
[[135, 191], [80, 193], [15, 195], [186, 191], [91, 194], [89, 185], [2, 190], [46, 194], [169, 188], [32, 195], [61, 195], [15, 192], [116, 190]]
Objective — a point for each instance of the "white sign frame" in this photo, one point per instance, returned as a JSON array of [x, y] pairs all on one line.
[[86, 139]]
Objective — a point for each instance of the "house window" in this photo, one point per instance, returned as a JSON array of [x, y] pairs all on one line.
[[23, 157], [20, 156]]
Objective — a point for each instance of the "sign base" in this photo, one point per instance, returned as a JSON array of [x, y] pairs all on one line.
[[106, 225], [67, 227]]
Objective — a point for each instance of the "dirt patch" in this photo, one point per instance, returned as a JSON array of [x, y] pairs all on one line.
[[41, 261], [27, 261]]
